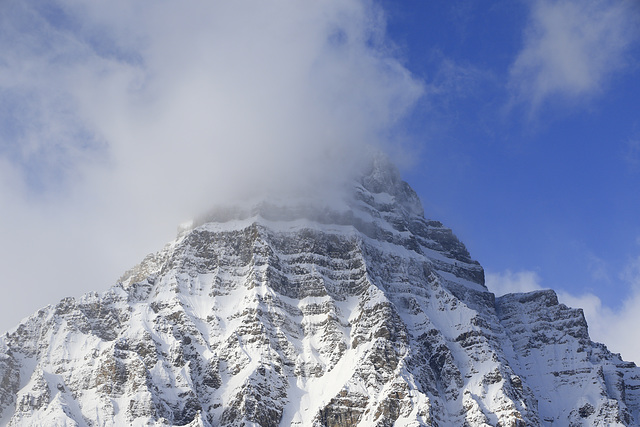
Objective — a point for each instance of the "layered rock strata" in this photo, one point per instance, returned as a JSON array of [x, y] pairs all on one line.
[[360, 314]]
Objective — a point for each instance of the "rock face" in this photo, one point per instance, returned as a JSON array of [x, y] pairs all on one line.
[[359, 314]]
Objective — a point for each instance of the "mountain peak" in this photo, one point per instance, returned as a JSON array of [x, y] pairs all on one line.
[[374, 189], [382, 176], [347, 312]]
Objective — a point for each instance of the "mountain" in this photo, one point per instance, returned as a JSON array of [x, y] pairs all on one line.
[[354, 312]]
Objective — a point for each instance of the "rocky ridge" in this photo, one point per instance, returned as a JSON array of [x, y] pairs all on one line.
[[361, 314]]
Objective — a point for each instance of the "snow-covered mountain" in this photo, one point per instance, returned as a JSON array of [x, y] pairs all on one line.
[[359, 312]]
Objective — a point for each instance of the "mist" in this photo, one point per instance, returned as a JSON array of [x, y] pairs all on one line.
[[119, 121]]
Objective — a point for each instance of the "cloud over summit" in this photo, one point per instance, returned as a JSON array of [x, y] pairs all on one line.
[[121, 119], [186, 95]]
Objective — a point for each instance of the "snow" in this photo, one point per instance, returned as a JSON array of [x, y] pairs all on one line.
[[310, 395], [238, 323]]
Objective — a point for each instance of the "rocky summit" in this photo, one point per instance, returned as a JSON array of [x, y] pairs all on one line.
[[354, 313]]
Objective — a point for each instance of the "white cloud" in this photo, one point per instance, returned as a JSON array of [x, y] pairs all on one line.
[[120, 120], [598, 268], [509, 282], [571, 49]]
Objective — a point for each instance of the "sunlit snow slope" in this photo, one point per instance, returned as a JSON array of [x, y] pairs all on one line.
[[358, 313]]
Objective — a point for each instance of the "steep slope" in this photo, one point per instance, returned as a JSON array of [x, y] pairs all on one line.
[[355, 313], [572, 378]]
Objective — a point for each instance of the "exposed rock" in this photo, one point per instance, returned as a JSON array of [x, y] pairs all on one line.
[[276, 314]]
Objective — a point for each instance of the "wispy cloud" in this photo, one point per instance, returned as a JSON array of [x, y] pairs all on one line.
[[119, 120], [507, 282], [632, 152], [571, 49], [598, 268], [218, 90]]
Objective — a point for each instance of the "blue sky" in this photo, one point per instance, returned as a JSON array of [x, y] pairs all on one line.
[[517, 122], [544, 182], [531, 149]]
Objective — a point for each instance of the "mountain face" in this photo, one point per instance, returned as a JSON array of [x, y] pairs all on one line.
[[362, 313]]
